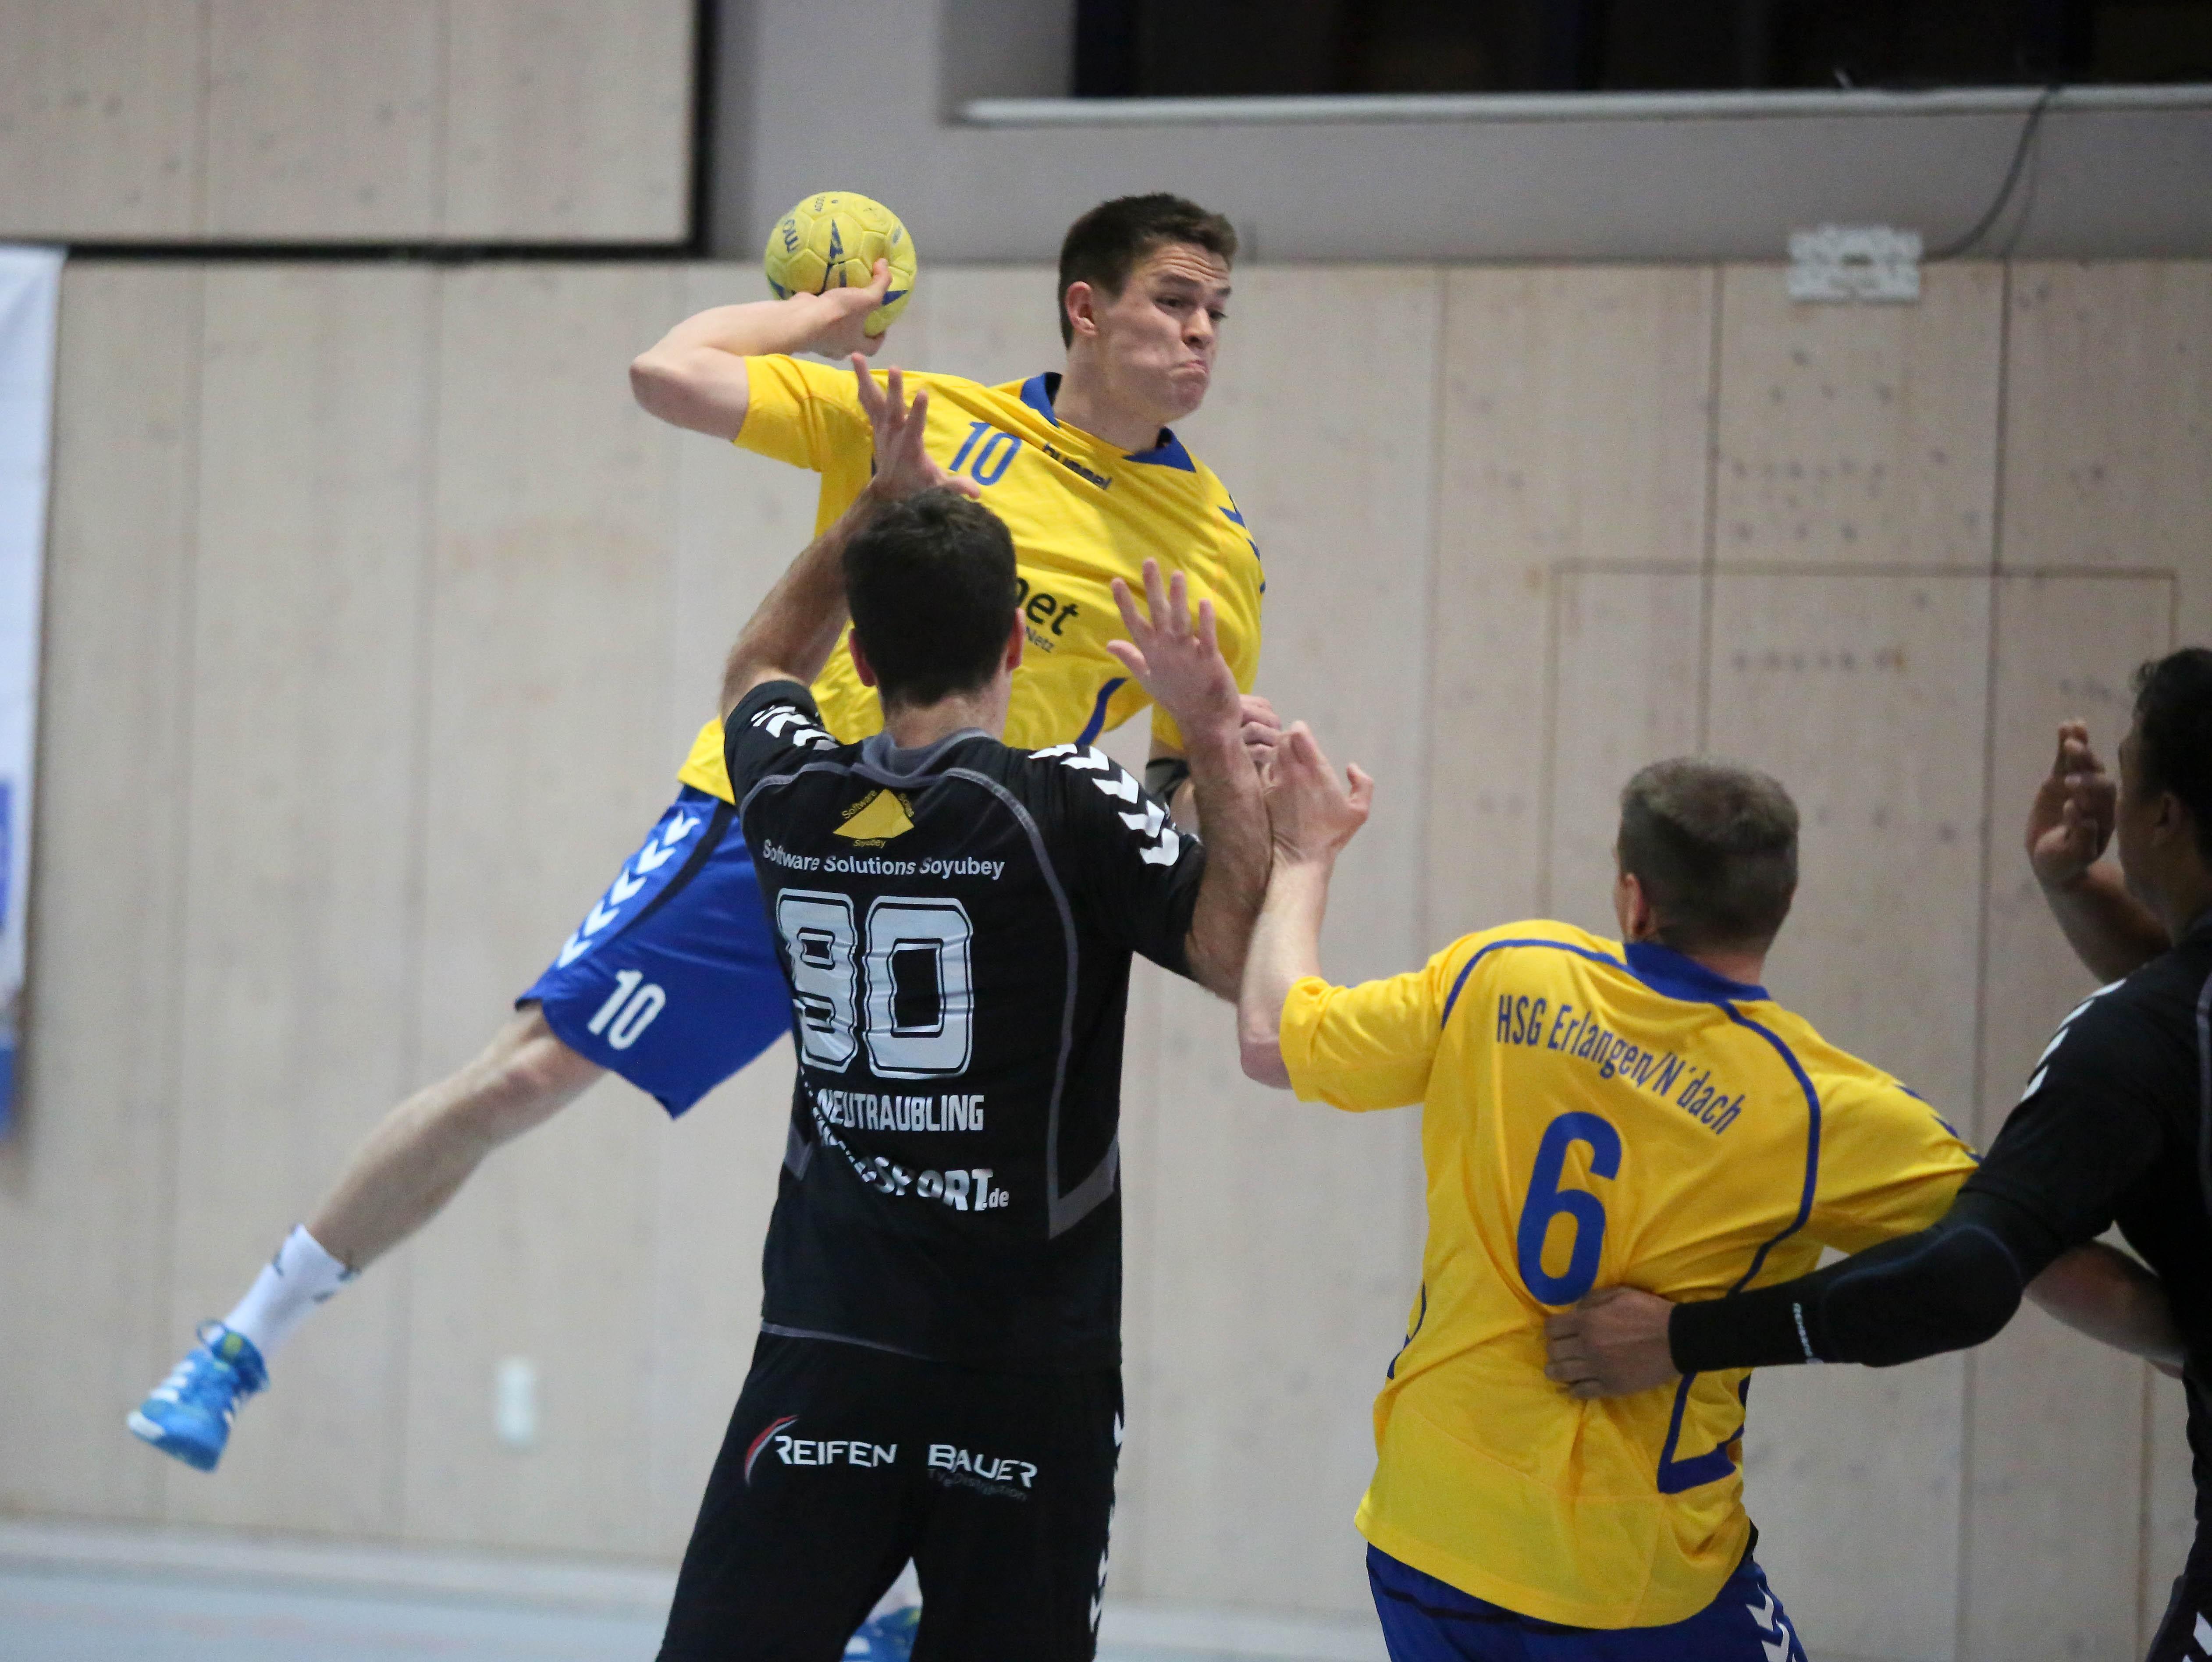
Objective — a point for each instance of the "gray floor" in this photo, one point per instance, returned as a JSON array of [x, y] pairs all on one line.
[[100, 1614]]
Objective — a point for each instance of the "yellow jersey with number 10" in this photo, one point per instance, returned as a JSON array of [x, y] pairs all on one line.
[[1081, 513], [1594, 1118]]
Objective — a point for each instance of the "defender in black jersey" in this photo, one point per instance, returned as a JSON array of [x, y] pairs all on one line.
[[2115, 1126], [938, 1371]]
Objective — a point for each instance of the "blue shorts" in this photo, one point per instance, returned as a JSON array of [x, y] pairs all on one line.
[[671, 980], [1425, 1620]]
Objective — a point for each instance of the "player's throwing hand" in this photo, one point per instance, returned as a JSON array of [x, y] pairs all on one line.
[[840, 316], [2071, 819], [1178, 662], [903, 465], [1613, 1343], [1310, 813]]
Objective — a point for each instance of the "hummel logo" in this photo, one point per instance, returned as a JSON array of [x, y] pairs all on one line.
[[785, 720], [658, 850], [1769, 1622]]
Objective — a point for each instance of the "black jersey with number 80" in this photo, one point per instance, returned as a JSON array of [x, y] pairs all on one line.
[[957, 925]]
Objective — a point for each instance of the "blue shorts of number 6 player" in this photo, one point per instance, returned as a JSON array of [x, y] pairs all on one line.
[[1425, 1620], [671, 980]]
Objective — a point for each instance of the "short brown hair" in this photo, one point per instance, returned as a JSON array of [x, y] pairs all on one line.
[[1714, 847], [1103, 246], [931, 583]]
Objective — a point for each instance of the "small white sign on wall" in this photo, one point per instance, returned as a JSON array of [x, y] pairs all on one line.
[[1855, 263], [30, 295]]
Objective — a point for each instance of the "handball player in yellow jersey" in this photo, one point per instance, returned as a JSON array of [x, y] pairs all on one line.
[[1593, 1112], [673, 980]]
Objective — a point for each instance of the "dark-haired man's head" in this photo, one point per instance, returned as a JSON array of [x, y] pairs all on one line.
[[931, 583], [1143, 281], [1708, 858], [2164, 818]]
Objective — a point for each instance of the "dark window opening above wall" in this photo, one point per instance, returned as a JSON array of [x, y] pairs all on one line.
[[1232, 48]]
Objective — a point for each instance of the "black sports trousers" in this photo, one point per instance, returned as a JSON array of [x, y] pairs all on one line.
[[842, 1462]]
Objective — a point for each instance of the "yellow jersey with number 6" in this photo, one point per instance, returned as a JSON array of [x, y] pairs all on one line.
[[1593, 1117], [1081, 513]]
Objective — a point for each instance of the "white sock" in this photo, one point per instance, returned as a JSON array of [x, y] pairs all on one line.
[[300, 1277]]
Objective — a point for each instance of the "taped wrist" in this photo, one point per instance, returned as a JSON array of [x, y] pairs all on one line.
[[1163, 773]]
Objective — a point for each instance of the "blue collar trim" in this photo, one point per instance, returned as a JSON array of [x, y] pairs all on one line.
[[1039, 391], [1667, 971]]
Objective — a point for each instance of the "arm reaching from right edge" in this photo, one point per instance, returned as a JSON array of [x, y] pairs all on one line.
[[1311, 818], [1948, 1287], [695, 376], [2069, 824]]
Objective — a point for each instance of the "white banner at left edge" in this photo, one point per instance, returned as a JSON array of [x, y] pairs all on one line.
[[30, 306]]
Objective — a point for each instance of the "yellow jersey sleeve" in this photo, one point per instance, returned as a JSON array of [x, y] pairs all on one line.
[[1889, 1166], [1367, 1046], [806, 413]]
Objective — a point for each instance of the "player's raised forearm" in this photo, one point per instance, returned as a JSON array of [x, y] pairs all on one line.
[[2101, 1291], [1311, 815], [1285, 949], [695, 376], [2110, 930], [795, 628], [1233, 809]]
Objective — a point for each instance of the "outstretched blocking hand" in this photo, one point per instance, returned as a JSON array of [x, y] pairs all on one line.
[[1177, 659], [903, 465], [842, 316], [1613, 1343], [2071, 819], [1310, 813]]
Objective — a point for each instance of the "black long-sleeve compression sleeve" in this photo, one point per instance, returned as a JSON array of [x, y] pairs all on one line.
[[1951, 1285]]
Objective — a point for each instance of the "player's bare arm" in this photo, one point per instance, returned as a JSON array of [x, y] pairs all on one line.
[[694, 375], [2068, 825], [791, 633], [2107, 1293], [1177, 659], [1312, 815]]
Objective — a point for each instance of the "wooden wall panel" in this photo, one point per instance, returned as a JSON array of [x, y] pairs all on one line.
[[301, 872], [994, 324], [1628, 656], [550, 650], [1284, 1238], [566, 120], [1866, 696], [1551, 380], [87, 1180], [2169, 1515], [324, 120], [2108, 423], [101, 118], [2053, 1542], [1859, 435]]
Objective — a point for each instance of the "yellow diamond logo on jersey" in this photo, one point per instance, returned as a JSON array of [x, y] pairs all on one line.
[[877, 817]]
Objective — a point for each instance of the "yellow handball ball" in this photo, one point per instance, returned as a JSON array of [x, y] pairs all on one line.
[[833, 241]]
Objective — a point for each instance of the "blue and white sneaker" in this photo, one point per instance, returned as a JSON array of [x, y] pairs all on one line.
[[887, 1638], [188, 1415]]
